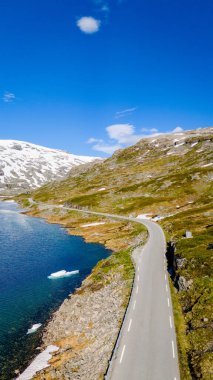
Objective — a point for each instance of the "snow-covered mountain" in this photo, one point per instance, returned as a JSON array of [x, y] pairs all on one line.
[[25, 166]]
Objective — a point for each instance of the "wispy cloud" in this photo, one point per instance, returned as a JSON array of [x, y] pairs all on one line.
[[106, 148], [88, 25], [93, 140], [125, 112], [149, 130], [102, 5], [8, 97]]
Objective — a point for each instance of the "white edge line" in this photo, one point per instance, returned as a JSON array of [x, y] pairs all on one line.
[[137, 290], [134, 305], [122, 353], [166, 288], [168, 302]]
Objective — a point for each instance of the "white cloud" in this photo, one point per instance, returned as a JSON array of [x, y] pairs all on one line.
[[177, 130], [109, 149], [123, 135], [125, 112], [93, 140], [8, 97], [88, 25]]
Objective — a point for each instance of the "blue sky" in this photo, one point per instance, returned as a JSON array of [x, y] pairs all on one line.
[[90, 76]]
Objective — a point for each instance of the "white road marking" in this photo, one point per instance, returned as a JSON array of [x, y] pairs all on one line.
[[166, 288], [138, 268], [173, 350], [165, 276], [134, 305], [168, 301], [170, 321], [137, 290], [138, 277], [130, 322], [122, 353], [175, 378]]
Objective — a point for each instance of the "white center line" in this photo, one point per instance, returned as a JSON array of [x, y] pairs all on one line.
[[168, 301], [170, 321], [134, 305], [173, 350], [166, 288], [130, 322], [137, 290], [138, 277], [122, 353]]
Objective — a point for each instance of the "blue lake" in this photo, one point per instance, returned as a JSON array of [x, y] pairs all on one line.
[[30, 250]]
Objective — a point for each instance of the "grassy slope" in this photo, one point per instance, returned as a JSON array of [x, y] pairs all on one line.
[[145, 178]]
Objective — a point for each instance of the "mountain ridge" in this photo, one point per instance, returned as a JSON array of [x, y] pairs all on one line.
[[25, 166]]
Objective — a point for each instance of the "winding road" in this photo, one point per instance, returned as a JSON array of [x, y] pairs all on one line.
[[146, 348]]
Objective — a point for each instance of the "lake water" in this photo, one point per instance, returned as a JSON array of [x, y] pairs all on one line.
[[30, 250]]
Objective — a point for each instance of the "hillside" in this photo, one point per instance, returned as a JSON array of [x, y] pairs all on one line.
[[25, 166], [168, 178]]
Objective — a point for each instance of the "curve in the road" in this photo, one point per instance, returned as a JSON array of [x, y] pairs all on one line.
[[146, 348]]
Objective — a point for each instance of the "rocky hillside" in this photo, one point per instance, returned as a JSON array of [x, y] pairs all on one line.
[[168, 178], [25, 166]]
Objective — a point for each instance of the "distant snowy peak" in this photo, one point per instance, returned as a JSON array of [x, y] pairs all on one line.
[[25, 166]]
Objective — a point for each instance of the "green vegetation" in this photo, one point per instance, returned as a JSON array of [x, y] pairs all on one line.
[[192, 306], [162, 179]]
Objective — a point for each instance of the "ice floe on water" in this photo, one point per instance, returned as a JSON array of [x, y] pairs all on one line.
[[39, 363], [34, 328], [61, 274]]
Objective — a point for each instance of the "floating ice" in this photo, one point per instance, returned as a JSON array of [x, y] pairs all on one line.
[[62, 273], [34, 328]]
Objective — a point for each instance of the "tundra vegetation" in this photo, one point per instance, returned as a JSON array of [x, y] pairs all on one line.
[[167, 176]]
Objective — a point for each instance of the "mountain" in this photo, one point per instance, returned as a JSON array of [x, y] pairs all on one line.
[[169, 178], [25, 166]]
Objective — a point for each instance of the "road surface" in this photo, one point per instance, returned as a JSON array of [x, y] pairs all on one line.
[[146, 348]]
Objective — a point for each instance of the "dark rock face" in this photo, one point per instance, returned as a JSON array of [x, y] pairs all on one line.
[[176, 262], [17, 147]]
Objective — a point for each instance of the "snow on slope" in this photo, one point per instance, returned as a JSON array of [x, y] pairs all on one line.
[[25, 166]]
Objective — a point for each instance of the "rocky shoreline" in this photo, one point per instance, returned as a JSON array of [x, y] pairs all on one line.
[[86, 325]]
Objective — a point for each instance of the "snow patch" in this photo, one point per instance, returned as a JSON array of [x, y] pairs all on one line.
[[205, 166], [39, 363], [144, 216], [92, 224], [193, 144], [61, 274]]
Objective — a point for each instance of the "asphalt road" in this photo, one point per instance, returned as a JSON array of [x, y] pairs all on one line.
[[146, 348]]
